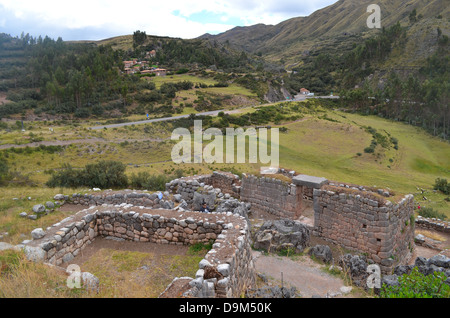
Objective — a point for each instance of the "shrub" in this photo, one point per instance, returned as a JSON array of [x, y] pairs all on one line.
[[104, 174], [144, 180], [442, 185], [82, 113], [417, 285], [67, 177], [3, 170], [431, 213]]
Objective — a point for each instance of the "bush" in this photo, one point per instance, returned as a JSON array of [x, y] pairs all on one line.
[[182, 71], [417, 285], [3, 170], [144, 180], [442, 185], [431, 213], [104, 174], [67, 177], [82, 113]]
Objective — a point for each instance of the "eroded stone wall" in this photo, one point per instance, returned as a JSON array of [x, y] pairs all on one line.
[[272, 195], [433, 224], [366, 223], [230, 256]]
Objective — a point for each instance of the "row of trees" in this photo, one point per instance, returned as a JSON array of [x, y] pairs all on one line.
[[177, 53], [56, 77], [108, 174], [65, 78]]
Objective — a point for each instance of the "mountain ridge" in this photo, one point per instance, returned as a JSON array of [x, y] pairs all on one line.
[[342, 19]]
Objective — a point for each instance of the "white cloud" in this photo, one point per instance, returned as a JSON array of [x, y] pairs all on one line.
[[154, 17]]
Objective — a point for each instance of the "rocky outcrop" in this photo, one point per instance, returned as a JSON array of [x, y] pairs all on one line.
[[322, 253], [438, 263], [356, 267], [282, 234]]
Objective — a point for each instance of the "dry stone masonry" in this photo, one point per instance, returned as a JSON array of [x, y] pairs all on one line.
[[230, 256], [368, 221], [272, 196], [433, 224]]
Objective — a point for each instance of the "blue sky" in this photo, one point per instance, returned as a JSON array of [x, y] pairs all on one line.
[[101, 19]]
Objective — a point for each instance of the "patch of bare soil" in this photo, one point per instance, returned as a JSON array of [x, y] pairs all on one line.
[[67, 207], [435, 243], [301, 272], [3, 99], [177, 288]]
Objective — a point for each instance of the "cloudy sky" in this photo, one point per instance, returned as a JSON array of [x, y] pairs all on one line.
[[101, 19]]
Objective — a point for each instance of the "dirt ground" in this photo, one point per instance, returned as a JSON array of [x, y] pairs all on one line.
[[142, 247]]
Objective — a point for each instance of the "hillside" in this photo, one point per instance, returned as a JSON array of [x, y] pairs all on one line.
[[341, 21], [44, 78]]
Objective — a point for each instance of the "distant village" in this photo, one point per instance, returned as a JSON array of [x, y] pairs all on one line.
[[143, 67]]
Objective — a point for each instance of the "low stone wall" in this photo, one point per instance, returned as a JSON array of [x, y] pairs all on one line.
[[433, 224], [272, 196], [157, 228], [230, 259], [227, 182], [186, 187], [138, 198], [230, 276], [367, 223], [70, 240]]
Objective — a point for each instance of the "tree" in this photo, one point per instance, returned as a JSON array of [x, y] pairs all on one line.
[[139, 38], [413, 16], [3, 170], [76, 86]]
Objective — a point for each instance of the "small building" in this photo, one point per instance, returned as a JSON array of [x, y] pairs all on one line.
[[129, 64], [156, 71], [304, 91], [151, 53], [160, 71]]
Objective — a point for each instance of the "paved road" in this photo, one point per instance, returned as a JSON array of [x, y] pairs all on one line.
[[210, 113]]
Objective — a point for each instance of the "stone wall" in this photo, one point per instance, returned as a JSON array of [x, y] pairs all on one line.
[[272, 195], [231, 275], [138, 198], [367, 223], [186, 187], [433, 224], [227, 182], [69, 240], [230, 257]]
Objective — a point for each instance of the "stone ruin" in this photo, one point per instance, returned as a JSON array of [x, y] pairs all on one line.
[[368, 221]]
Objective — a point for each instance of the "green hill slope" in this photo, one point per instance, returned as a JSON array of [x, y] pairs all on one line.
[[343, 20]]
